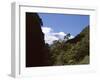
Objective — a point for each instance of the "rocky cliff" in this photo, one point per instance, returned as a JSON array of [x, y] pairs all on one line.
[[35, 44]]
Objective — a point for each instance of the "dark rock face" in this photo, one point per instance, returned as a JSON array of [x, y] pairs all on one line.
[[35, 43]]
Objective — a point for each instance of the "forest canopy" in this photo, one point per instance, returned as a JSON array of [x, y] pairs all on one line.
[[70, 51]]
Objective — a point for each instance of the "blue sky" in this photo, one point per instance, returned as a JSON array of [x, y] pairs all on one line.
[[66, 23]]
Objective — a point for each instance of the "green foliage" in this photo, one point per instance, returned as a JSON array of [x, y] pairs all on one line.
[[71, 51]]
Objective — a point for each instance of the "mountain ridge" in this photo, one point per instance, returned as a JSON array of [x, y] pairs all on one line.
[[72, 51]]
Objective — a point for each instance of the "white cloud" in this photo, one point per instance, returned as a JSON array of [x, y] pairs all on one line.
[[51, 36], [59, 34], [71, 37], [46, 29]]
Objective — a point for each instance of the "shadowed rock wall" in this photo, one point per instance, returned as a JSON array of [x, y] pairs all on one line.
[[35, 44]]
